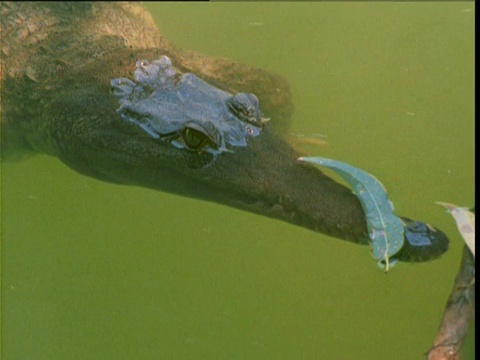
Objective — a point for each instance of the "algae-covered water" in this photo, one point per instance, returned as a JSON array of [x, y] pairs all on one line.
[[92, 270]]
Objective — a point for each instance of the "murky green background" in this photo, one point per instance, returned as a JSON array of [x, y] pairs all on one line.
[[92, 270]]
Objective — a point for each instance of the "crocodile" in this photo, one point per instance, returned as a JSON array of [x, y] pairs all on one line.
[[97, 86]]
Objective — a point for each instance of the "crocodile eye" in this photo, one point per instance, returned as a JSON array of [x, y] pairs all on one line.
[[195, 139]]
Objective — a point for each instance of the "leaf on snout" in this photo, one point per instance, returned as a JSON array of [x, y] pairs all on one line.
[[386, 230]]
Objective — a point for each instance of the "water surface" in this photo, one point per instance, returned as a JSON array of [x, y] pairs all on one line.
[[101, 271]]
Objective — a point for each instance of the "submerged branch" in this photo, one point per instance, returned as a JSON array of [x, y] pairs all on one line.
[[459, 311]]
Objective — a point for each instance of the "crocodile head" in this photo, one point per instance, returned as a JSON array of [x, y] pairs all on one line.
[[70, 92], [171, 131]]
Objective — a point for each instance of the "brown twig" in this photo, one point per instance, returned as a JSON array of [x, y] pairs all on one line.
[[459, 311]]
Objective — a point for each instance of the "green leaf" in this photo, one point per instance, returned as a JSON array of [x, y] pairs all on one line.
[[465, 222], [386, 230]]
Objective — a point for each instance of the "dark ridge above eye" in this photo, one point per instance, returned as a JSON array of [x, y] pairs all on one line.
[[245, 107]]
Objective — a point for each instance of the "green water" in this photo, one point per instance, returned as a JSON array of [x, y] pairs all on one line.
[[92, 270]]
